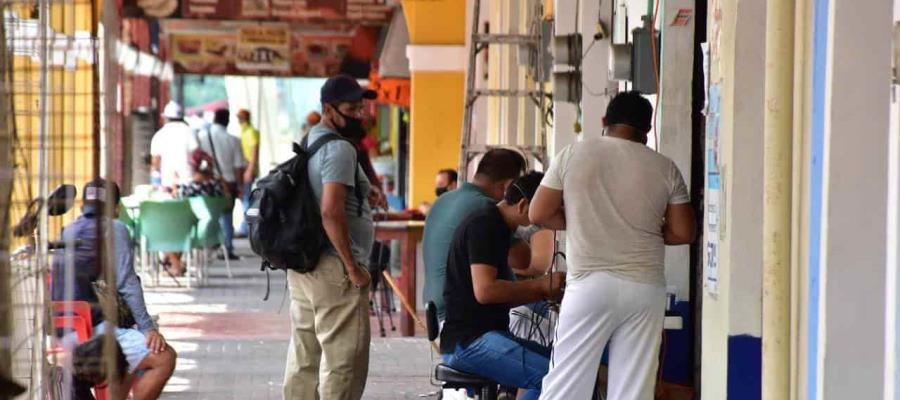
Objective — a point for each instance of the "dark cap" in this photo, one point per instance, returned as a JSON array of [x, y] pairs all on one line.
[[344, 89], [98, 191]]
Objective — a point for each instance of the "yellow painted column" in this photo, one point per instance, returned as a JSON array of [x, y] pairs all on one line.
[[437, 57]]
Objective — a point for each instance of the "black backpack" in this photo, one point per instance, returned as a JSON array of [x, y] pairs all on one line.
[[284, 218]]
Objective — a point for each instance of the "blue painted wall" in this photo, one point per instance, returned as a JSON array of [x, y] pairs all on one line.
[[744, 368]]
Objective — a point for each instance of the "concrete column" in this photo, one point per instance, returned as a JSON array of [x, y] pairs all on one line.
[[674, 118], [731, 346], [850, 122]]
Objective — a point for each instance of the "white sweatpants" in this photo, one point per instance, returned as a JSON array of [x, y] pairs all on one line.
[[599, 308]]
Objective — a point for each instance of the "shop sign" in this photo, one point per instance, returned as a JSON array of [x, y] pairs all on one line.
[[263, 48]]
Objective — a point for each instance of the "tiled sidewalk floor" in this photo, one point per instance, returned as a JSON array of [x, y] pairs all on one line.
[[232, 345]]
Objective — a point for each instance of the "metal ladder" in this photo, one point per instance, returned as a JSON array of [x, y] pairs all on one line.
[[480, 42]]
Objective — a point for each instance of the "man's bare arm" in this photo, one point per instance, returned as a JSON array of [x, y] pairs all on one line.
[[546, 209], [680, 227]]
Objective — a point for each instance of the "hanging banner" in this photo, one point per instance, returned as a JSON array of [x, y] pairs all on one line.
[[263, 48], [203, 53], [277, 49], [373, 11]]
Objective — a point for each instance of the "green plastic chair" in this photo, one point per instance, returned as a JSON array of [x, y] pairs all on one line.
[[167, 226], [209, 232], [129, 221]]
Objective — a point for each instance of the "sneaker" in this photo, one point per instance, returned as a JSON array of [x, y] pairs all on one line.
[[231, 257]]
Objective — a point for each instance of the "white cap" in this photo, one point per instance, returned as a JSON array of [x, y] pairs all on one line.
[[173, 111]]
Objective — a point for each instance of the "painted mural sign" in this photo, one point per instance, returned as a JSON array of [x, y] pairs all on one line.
[[377, 11], [203, 53], [713, 192], [279, 49], [263, 48]]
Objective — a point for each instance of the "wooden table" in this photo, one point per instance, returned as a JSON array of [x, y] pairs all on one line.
[[409, 233]]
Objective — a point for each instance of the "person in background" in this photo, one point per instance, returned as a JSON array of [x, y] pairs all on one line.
[[151, 361], [203, 183], [169, 150], [481, 288], [445, 181], [328, 355], [395, 202], [312, 119], [495, 173], [229, 165], [624, 203], [250, 150]]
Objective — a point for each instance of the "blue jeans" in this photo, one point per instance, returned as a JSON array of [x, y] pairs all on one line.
[[505, 359], [245, 203], [227, 220]]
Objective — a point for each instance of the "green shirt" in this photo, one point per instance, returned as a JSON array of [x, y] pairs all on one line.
[[447, 213]]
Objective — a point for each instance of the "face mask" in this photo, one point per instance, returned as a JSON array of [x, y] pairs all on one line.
[[440, 190], [352, 129]]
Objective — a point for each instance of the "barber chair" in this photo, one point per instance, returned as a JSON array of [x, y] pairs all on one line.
[[453, 378]]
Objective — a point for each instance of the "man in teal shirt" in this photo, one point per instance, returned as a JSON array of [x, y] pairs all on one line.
[[496, 172]]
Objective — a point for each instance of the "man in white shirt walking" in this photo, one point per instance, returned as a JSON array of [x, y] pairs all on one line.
[[623, 204], [230, 163], [169, 150]]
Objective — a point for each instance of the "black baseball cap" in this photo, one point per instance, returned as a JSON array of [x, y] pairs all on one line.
[[97, 193], [344, 89]]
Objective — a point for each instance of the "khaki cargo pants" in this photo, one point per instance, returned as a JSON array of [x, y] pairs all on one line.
[[328, 357]]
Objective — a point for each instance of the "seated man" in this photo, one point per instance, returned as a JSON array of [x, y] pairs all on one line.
[[480, 289], [494, 174], [150, 360]]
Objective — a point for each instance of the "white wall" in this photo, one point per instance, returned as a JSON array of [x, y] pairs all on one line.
[[854, 199], [595, 93]]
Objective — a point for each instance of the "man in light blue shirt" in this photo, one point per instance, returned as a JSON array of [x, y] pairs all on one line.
[[328, 357], [150, 359]]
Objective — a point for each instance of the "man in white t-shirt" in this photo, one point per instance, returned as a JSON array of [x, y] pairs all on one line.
[[169, 150], [226, 150], [623, 204]]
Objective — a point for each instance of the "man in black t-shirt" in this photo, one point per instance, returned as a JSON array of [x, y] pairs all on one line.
[[480, 289]]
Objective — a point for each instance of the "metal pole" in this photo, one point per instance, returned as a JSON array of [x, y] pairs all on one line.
[[777, 194], [40, 260], [6, 185]]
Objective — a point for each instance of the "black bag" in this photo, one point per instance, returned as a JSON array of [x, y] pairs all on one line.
[[284, 218], [111, 296]]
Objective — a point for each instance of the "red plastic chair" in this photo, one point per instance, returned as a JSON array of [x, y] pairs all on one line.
[[73, 322], [80, 308]]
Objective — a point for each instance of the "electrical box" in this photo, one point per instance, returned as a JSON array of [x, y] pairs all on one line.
[[620, 62], [567, 49], [567, 86], [644, 60]]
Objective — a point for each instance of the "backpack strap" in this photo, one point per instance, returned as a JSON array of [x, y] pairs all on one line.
[[330, 137]]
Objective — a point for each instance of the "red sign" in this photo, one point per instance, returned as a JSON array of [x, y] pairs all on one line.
[[394, 91]]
